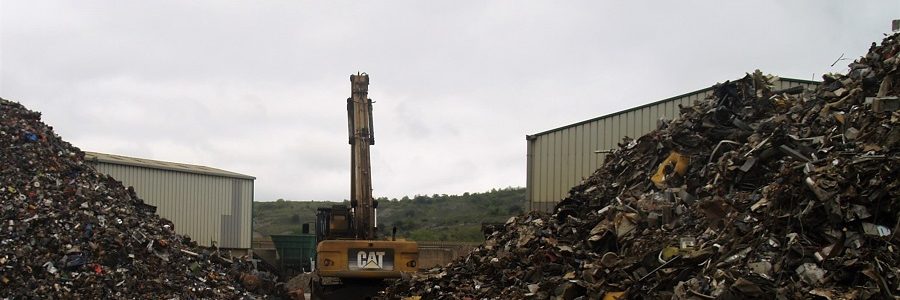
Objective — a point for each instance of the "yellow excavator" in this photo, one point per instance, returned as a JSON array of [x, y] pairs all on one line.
[[352, 262]]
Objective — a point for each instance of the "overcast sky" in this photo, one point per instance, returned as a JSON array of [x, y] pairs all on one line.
[[260, 88]]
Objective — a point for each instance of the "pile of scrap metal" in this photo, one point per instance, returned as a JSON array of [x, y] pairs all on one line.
[[69, 232], [752, 193]]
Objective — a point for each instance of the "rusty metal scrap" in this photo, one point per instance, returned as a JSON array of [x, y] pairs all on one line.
[[786, 194], [69, 232]]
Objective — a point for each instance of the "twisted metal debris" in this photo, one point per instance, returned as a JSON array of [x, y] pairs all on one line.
[[69, 232], [751, 194]]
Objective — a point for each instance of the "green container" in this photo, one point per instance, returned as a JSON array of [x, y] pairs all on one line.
[[295, 251]]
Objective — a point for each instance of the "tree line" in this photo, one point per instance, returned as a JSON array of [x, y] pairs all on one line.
[[438, 217]]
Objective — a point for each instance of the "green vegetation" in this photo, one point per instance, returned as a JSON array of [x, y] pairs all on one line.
[[420, 218]]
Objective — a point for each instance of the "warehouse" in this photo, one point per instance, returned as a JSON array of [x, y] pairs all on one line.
[[558, 159], [210, 205]]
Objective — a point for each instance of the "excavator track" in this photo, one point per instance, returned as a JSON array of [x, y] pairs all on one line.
[[348, 289]]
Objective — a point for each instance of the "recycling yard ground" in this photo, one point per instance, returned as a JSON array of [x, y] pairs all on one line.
[[755, 187]]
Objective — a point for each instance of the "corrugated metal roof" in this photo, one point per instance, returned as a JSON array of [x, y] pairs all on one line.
[[163, 165], [530, 136]]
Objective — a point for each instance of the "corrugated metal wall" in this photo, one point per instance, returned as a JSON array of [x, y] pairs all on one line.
[[436, 253], [206, 208], [561, 158]]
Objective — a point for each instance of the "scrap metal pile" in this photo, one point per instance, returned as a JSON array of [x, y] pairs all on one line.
[[67, 231], [752, 193]]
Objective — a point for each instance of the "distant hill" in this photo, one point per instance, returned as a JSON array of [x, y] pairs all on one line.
[[421, 218]]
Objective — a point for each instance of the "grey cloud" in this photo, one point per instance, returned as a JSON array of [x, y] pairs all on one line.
[[259, 88]]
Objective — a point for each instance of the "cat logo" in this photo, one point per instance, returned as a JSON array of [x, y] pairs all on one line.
[[370, 259]]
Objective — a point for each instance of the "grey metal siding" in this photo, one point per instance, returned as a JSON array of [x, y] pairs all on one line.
[[206, 208], [561, 158]]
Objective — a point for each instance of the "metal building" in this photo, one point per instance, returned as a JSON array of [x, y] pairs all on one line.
[[208, 204], [558, 159]]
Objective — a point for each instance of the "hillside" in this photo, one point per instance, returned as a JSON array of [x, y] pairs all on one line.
[[421, 218]]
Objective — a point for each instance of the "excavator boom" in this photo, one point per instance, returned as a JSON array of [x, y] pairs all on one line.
[[359, 113], [350, 259]]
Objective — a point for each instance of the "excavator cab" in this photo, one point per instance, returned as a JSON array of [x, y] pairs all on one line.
[[333, 223]]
